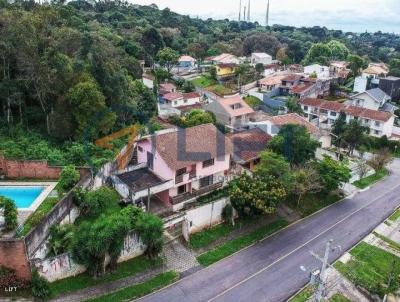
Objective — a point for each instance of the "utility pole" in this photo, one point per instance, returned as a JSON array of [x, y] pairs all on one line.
[[240, 9], [248, 12], [244, 13], [322, 276], [267, 15]]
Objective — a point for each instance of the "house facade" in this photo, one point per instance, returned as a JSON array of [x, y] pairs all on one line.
[[373, 99], [260, 58], [324, 114], [186, 61], [225, 70], [231, 111], [322, 72], [180, 164]]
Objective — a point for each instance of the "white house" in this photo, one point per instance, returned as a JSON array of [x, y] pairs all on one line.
[[261, 58], [177, 99], [322, 72], [324, 114], [371, 99], [187, 62], [148, 80]]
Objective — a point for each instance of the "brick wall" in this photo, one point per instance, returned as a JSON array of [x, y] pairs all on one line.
[[39, 169], [13, 256]]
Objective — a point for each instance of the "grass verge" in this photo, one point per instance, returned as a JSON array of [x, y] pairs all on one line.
[[45, 207], [338, 297], [203, 81], [369, 180], [252, 101], [233, 246], [304, 295], [395, 215], [208, 236], [393, 244], [312, 203], [139, 290], [372, 268], [84, 280]]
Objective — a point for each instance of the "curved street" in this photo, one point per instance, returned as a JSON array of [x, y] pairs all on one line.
[[270, 270]]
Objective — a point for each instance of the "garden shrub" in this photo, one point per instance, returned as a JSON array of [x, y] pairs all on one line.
[[68, 178], [10, 213], [40, 286]]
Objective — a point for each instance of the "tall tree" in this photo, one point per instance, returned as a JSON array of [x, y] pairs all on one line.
[[167, 58], [295, 144]]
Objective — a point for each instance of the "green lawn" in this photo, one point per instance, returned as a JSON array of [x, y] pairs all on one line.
[[208, 236], [367, 181], [203, 81], [220, 89], [372, 268], [393, 244], [252, 101], [313, 203], [338, 297], [139, 290], [124, 269], [45, 207], [235, 245], [303, 296], [395, 215]]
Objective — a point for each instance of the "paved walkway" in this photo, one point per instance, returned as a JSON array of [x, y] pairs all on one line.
[[106, 288], [178, 258]]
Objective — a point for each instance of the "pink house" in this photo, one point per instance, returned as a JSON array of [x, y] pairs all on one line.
[[185, 163]]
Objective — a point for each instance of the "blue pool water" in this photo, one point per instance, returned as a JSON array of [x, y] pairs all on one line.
[[23, 196]]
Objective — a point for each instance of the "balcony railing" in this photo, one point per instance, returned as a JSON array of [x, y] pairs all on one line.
[[195, 193], [179, 179]]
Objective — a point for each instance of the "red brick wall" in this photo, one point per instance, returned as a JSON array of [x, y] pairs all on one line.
[[39, 169], [13, 256]]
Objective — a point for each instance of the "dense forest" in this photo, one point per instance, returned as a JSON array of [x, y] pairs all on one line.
[[72, 70]]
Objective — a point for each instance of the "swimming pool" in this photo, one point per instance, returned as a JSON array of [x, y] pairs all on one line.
[[23, 196]]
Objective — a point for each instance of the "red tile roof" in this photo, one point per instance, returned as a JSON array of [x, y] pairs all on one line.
[[272, 80], [333, 106], [167, 86], [195, 144], [348, 109], [226, 103], [171, 96], [292, 78], [312, 102], [248, 144], [190, 95], [302, 87], [293, 118]]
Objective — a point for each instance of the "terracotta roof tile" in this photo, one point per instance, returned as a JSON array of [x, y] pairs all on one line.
[[293, 118], [249, 144], [226, 103], [195, 144], [333, 106], [312, 102], [172, 96], [190, 95]]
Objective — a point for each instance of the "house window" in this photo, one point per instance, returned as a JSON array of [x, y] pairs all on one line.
[[323, 111], [175, 102], [140, 149], [181, 189], [366, 120], [150, 160], [377, 124], [333, 113], [208, 163], [236, 106], [180, 171], [305, 108], [206, 181], [377, 132], [185, 101]]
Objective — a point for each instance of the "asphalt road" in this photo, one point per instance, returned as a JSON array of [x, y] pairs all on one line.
[[270, 270]]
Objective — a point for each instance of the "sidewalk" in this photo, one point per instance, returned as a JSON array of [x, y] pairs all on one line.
[[106, 288]]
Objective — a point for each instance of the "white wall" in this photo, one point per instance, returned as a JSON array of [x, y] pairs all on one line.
[[63, 266], [148, 83], [206, 216], [185, 102]]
